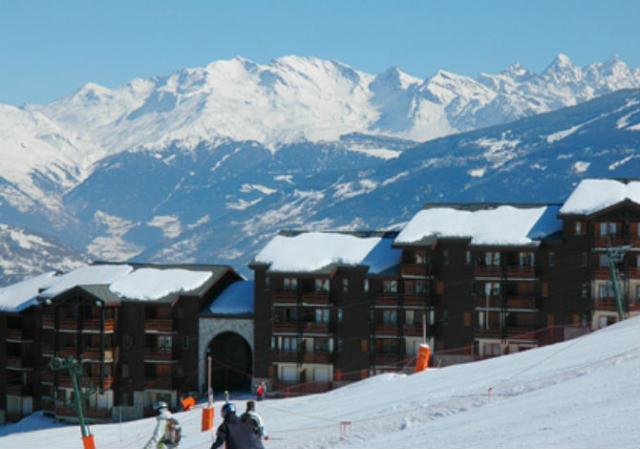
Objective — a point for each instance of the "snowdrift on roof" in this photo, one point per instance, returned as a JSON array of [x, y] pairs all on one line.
[[503, 225], [313, 251], [22, 295], [593, 195], [153, 283], [89, 275]]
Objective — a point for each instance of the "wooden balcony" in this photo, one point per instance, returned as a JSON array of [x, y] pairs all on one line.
[[159, 383], [313, 327], [157, 355], [385, 358], [285, 357], [492, 302], [93, 324], [415, 270], [158, 325], [386, 329], [487, 271], [522, 332], [614, 240], [48, 322], [316, 357], [284, 326], [633, 272], [415, 300], [300, 388], [602, 273], [283, 297], [96, 354], [607, 303], [14, 334], [65, 381], [412, 330], [68, 351], [90, 412], [321, 298], [17, 363], [481, 332], [521, 302], [516, 271], [387, 299]]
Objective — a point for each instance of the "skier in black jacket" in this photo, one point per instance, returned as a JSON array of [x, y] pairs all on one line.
[[235, 433]]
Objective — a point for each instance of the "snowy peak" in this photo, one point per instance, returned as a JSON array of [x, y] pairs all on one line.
[[562, 70]]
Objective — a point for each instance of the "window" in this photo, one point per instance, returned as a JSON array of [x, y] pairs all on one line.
[[322, 285], [267, 283], [338, 344], [322, 315], [467, 258], [365, 286], [124, 370], [290, 284], [551, 259], [421, 258], [339, 315], [345, 285], [492, 258], [274, 343], [164, 343], [481, 322], [492, 288], [579, 230], [585, 290], [390, 317], [527, 259], [603, 260], [420, 287], [605, 290], [409, 317], [445, 257], [390, 286], [187, 342], [608, 228]]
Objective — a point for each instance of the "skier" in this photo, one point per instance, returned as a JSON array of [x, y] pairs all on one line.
[[251, 416], [168, 432], [260, 391], [235, 433]]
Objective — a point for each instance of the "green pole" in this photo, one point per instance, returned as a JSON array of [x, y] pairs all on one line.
[[78, 396], [613, 257]]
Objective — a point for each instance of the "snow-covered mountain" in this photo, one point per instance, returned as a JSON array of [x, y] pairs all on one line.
[[24, 253], [294, 99], [582, 393], [206, 163]]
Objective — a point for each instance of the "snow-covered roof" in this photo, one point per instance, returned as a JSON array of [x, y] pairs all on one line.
[[593, 195], [313, 251], [236, 299], [153, 283], [501, 225], [22, 295], [89, 275]]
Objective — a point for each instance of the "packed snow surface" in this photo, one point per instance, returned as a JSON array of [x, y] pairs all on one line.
[[236, 299], [582, 393], [593, 195], [154, 283], [22, 295], [89, 275], [312, 251], [503, 225]]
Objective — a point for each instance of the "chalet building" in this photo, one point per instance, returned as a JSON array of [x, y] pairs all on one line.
[[134, 328], [598, 215]]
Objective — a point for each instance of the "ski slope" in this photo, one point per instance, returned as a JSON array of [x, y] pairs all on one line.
[[584, 393]]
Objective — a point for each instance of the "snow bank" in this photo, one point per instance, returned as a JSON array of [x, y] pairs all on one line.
[[20, 296], [236, 299], [89, 275], [593, 195], [312, 251], [154, 283], [503, 225]]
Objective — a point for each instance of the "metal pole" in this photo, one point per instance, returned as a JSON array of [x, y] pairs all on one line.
[[209, 388], [78, 397], [424, 328]]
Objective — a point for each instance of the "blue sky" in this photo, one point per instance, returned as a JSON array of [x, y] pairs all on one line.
[[50, 48]]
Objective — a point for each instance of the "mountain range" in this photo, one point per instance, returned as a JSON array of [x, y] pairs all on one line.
[[207, 163]]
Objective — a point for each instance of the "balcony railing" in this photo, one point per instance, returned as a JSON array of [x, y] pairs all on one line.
[[487, 271], [413, 330], [48, 322], [633, 272], [91, 412], [316, 297], [153, 354], [481, 332], [602, 273], [387, 329], [613, 240], [517, 271], [65, 381], [284, 326], [285, 357], [160, 383], [521, 302], [414, 269], [522, 332], [285, 297], [385, 299], [493, 302], [316, 357], [158, 325], [316, 328], [387, 358], [17, 363], [605, 303], [415, 300]]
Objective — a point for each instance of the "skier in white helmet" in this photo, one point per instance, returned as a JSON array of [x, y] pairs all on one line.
[[167, 433]]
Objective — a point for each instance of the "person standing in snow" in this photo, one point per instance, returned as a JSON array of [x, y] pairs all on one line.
[[234, 433], [260, 391], [251, 417], [166, 435]]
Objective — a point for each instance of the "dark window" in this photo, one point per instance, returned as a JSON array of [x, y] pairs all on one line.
[[552, 259], [445, 257], [366, 285], [267, 283], [467, 258], [345, 285]]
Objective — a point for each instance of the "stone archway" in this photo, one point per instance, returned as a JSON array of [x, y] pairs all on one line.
[[232, 363]]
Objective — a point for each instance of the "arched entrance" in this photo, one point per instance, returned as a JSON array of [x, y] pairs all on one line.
[[231, 362]]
